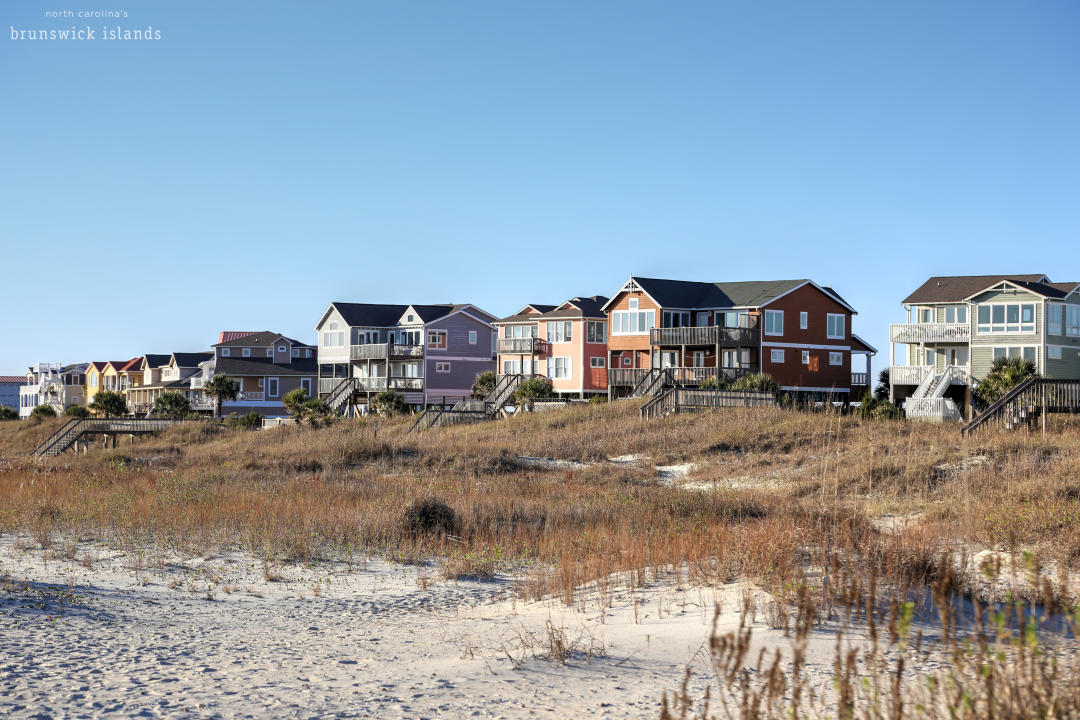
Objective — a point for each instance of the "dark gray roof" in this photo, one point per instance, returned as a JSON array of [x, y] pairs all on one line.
[[265, 366], [692, 294], [75, 368], [156, 359], [590, 307], [265, 338], [957, 288], [191, 359], [382, 315]]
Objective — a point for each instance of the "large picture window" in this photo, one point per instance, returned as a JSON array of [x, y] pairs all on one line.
[[1006, 318], [1055, 315], [632, 322], [596, 331], [560, 332], [559, 368], [1072, 320]]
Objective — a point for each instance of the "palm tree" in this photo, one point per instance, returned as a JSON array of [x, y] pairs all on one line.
[[172, 405], [1004, 375], [221, 388]]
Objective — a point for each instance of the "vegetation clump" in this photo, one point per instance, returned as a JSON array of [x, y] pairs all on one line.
[[1004, 375], [430, 516], [77, 411]]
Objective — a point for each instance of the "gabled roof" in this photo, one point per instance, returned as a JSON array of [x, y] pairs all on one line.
[[529, 313], [586, 307], [155, 360], [383, 315], [189, 359], [121, 365], [265, 366], [229, 335], [75, 368], [265, 338], [958, 288], [690, 294], [97, 365]]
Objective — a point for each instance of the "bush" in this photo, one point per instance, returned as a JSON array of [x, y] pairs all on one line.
[[389, 403], [756, 382], [109, 404], [172, 405], [430, 516], [484, 384], [712, 384], [248, 421], [871, 408], [534, 388], [77, 411], [598, 399], [7, 413], [42, 412]]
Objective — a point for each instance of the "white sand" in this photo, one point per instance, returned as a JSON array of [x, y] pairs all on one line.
[[125, 634]]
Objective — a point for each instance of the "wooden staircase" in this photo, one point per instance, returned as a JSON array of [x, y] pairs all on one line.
[[1028, 402], [76, 428]]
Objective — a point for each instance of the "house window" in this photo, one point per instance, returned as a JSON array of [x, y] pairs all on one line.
[[436, 340], [442, 367], [272, 387], [956, 314], [282, 348], [835, 328], [633, 321], [1053, 352], [269, 352], [559, 332], [224, 352], [1054, 316], [560, 367], [699, 358], [926, 315], [296, 352], [836, 358], [804, 320], [246, 352], [596, 332], [676, 318], [598, 362], [306, 384], [627, 362], [774, 322], [805, 357], [1030, 353], [1006, 318], [472, 337], [332, 339], [777, 356], [1072, 320]]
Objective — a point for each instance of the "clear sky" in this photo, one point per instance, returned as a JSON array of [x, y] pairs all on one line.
[[262, 159]]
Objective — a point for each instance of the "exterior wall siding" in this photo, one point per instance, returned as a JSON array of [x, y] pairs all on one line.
[[635, 347], [792, 372]]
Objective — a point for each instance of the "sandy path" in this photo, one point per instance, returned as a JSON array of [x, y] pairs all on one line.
[[332, 640]]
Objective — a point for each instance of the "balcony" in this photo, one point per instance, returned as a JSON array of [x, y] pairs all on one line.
[[682, 376], [713, 335], [908, 374], [251, 396], [930, 333], [374, 384], [522, 346], [385, 351], [860, 379]]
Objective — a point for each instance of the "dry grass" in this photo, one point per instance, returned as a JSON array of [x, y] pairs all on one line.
[[298, 493]]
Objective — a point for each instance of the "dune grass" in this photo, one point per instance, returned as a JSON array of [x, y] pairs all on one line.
[[791, 488]]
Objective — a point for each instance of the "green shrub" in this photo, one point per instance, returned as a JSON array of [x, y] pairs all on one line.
[[389, 403], [1004, 375], [429, 516], [756, 382], [7, 413], [248, 421], [41, 412], [484, 384], [534, 388], [77, 411]]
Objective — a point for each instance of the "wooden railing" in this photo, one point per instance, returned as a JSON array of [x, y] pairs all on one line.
[[930, 333], [70, 432], [709, 335], [625, 377], [522, 346], [383, 351], [632, 377], [908, 374], [678, 399], [860, 379], [1028, 399]]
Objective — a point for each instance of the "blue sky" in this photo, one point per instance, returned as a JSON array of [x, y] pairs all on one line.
[[262, 159]]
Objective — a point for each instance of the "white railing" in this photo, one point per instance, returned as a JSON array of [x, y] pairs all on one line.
[[860, 379], [252, 396], [931, 408], [930, 333], [908, 374]]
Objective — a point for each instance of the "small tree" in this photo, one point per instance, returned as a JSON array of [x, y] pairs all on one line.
[[249, 421], [756, 382], [109, 404], [532, 389], [1004, 375], [172, 405], [301, 407], [42, 412], [389, 403], [77, 411], [295, 402], [881, 392], [8, 413], [222, 388], [484, 384]]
